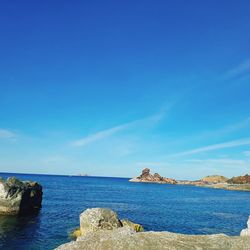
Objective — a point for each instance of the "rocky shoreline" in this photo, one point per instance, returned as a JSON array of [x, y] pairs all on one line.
[[239, 183], [226, 186], [101, 229]]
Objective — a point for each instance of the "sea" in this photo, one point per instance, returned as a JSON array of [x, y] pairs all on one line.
[[157, 207]]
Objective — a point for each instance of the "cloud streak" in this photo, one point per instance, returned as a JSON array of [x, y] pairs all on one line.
[[231, 128], [226, 130], [151, 120], [99, 135], [7, 134], [241, 70], [246, 153], [230, 144], [219, 161]]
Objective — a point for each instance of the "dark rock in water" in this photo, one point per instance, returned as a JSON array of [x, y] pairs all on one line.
[[156, 178], [19, 197]]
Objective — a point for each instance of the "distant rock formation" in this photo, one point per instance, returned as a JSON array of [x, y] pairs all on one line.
[[19, 197], [102, 230], [207, 180], [240, 180], [246, 232], [214, 179], [155, 178], [240, 183]]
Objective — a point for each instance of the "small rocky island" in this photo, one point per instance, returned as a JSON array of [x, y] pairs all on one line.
[[154, 178], [101, 229], [19, 197]]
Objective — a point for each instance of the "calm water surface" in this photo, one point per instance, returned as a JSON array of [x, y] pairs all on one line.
[[174, 208]]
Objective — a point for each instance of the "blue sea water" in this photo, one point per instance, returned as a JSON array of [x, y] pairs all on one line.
[[174, 208]]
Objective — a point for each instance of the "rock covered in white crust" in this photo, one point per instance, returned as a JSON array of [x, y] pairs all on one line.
[[246, 231]]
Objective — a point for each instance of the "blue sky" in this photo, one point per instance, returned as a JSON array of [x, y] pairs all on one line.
[[110, 87]]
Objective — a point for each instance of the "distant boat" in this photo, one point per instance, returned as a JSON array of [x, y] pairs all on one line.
[[82, 174]]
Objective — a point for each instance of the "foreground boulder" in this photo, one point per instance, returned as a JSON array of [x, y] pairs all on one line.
[[155, 178], [19, 197], [246, 232], [124, 238], [96, 219]]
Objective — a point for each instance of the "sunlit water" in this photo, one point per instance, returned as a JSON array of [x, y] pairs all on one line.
[[174, 208]]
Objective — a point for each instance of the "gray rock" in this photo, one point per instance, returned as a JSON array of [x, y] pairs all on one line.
[[126, 239], [134, 226], [95, 219], [18, 197], [246, 232]]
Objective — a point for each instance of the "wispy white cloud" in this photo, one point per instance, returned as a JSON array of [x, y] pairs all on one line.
[[230, 144], [7, 134], [222, 166], [217, 132], [189, 162], [219, 161], [56, 159], [229, 128], [148, 121], [246, 153], [238, 71], [99, 135]]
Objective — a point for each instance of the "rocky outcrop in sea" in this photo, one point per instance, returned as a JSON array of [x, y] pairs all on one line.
[[103, 230], [154, 178], [19, 197]]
